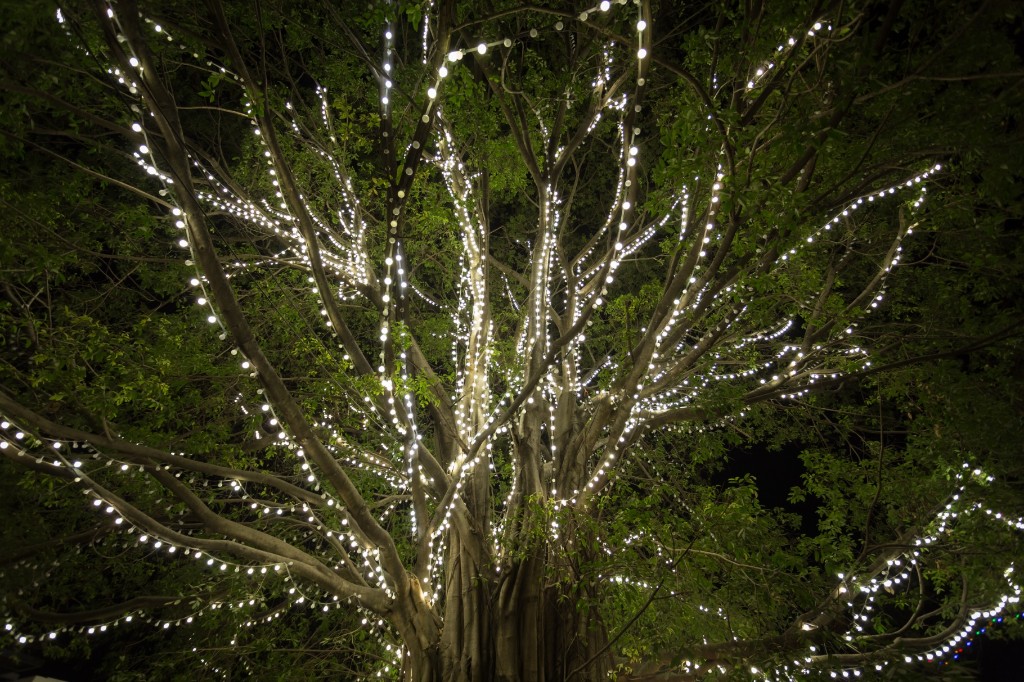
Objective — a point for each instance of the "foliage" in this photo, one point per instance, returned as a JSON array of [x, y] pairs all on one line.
[[648, 340]]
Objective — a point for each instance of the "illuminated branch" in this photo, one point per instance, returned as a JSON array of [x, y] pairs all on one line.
[[657, 254], [107, 612], [165, 114], [295, 202], [143, 453]]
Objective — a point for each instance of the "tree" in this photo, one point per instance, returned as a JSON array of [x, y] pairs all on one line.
[[494, 305]]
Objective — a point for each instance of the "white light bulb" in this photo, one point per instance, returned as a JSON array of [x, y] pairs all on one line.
[[641, 25]]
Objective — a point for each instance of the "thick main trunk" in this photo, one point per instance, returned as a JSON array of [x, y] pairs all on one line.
[[516, 628], [544, 633], [528, 621], [467, 638]]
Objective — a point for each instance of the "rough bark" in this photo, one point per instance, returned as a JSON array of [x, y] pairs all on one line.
[[521, 624]]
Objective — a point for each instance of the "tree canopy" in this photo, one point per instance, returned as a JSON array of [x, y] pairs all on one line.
[[488, 341]]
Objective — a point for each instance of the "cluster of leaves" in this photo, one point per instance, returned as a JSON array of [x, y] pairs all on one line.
[[100, 325]]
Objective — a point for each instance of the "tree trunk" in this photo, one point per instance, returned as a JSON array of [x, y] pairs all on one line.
[[518, 627], [542, 632]]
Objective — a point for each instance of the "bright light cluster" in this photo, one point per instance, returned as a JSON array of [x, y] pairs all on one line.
[[700, 339]]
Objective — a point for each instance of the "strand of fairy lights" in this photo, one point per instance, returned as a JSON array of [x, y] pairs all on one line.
[[196, 282], [714, 200], [266, 508], [603, 7], [854, 205], [583, 17], [707, 238], [897, 571], [171, 548], [252, 213]]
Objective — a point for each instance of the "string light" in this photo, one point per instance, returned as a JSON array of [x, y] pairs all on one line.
[[681, 367]]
